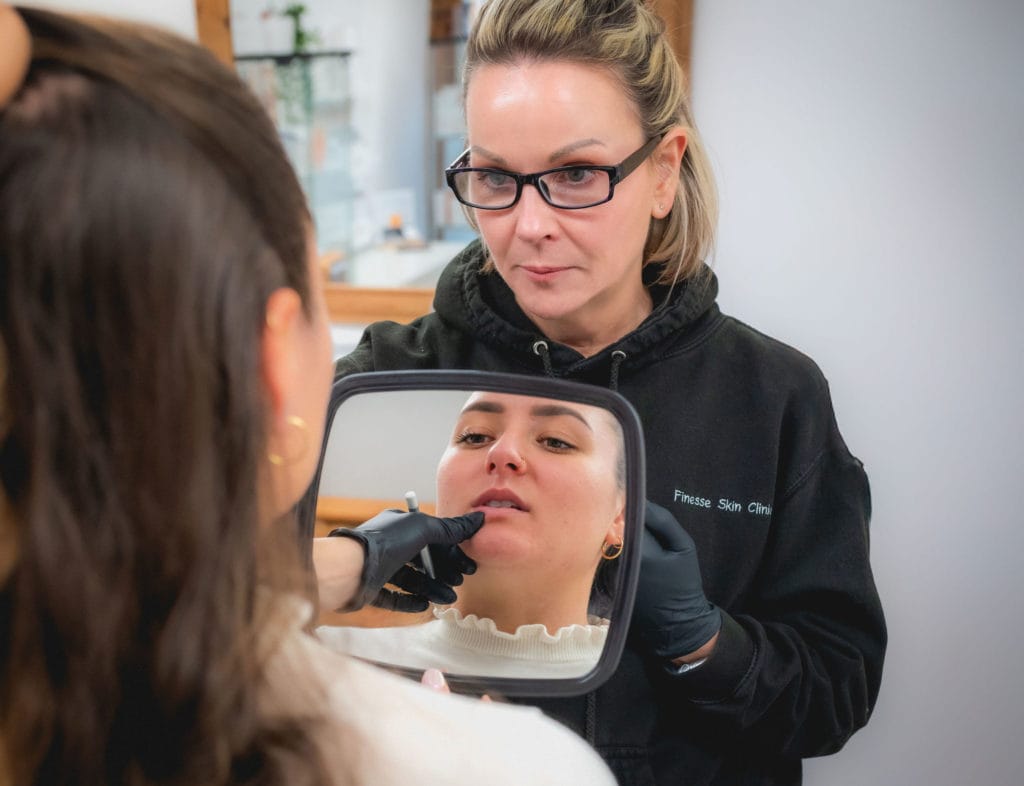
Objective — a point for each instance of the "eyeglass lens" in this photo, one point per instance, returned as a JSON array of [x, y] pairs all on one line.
[[573, 187]]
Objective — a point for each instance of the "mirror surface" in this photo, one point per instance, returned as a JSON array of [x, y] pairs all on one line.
[[557, 479]]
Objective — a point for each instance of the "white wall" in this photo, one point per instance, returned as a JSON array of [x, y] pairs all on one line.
[[871, 163], [178, 15], [385, 443]]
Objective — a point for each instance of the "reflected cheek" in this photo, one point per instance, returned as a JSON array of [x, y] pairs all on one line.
[[452, 499]]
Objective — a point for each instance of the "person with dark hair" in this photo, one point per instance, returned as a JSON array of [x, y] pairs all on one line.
[[587, 181], [165, 365]]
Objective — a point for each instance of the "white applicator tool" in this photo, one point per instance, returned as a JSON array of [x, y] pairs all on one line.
[[414, 506]]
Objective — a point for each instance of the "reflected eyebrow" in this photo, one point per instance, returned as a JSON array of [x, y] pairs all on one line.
[[538, 411], [483, 406], [556, 410], [553, 158]]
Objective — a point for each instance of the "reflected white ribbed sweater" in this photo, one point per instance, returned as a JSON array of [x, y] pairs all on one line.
[[473, 645]]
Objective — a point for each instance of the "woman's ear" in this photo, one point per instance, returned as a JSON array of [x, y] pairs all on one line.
[[288, 437], [667, 158], [280, 334], [14, 54]]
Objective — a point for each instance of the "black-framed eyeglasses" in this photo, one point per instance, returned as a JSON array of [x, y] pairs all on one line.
[[565, 187]]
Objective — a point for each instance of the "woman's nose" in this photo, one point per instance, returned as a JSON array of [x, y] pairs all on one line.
[[505, 456], [534, 216]]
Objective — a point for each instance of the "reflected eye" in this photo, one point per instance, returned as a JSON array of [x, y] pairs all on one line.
[[471, 438], [556, 444]]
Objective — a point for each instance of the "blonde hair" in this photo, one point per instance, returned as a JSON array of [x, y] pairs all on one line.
[[628, 39]]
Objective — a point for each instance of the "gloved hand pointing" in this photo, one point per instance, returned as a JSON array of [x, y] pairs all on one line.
[[671, 616], [393, 538]]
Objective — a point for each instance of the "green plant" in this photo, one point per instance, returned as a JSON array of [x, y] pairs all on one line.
[[302, 38]]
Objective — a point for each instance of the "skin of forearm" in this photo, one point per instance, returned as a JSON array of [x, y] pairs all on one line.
[[698, 654], [338, 563]]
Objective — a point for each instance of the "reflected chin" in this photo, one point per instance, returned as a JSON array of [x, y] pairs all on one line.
[[496, 546]]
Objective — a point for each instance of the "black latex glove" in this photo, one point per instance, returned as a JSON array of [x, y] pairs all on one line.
[[394, 538], [671, 617]]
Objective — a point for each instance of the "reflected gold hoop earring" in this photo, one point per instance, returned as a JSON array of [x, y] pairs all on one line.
[[611, 550], [276, 458]]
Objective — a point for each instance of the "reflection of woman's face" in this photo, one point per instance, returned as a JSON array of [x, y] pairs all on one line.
[[544, 472]]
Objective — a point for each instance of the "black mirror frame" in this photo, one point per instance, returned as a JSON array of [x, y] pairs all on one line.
[[379, 381]]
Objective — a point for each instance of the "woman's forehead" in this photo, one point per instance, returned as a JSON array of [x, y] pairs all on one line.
[[515, 407], [580, 98]]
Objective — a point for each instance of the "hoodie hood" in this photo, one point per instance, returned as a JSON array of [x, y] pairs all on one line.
[[482, 305]]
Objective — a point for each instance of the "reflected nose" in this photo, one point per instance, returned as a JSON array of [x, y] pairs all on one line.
[[505, 456], [534, 216]]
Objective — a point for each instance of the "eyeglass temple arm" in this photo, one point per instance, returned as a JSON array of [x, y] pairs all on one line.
[[459, 159], [637, 158]]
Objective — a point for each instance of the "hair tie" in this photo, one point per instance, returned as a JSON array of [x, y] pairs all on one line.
[[15, 53]]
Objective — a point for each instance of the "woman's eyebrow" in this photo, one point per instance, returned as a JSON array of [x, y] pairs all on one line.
[[564, 151], [553, 158], [556, 410], [483, 151]]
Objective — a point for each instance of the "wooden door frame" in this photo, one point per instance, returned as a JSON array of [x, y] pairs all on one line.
[[678, 17], [213, 28]]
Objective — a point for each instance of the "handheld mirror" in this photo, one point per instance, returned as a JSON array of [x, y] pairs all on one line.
[[557, 469]]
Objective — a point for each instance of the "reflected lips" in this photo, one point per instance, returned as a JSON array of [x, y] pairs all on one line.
[[499, 499]]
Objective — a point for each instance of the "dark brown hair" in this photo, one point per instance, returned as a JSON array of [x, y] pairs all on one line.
[[147, 211]]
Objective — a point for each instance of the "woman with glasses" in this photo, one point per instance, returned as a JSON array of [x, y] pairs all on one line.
[[586, 179]]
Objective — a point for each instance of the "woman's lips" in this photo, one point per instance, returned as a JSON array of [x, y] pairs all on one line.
[[543, 272]]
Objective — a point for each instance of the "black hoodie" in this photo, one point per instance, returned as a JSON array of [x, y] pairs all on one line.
[[743, 447]]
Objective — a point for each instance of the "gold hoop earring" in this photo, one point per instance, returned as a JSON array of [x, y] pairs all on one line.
[[611, 550], [276, 458]]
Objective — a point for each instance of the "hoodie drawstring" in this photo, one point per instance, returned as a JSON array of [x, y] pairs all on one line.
[[541, 348], [617, 357]]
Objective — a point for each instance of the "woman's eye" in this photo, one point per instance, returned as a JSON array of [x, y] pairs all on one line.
[[495, 181], [578, 176]]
